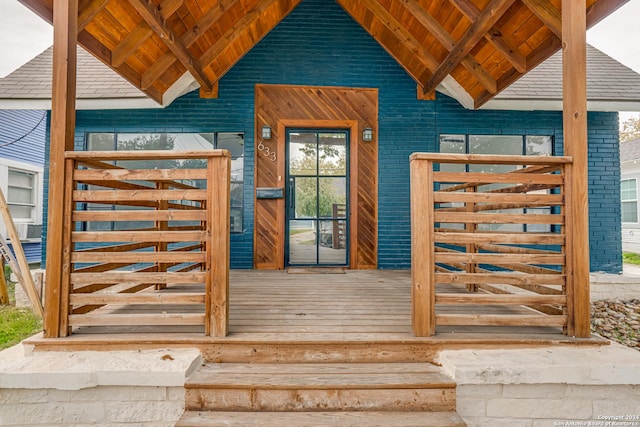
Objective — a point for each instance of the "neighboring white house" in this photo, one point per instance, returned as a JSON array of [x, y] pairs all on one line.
[[629, 181]]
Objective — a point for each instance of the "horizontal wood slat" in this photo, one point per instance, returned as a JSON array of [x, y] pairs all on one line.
[[489, 159], [138, 236], [496, 178], [505, 259], [500, 278], [121, 248], [138, 298], [135, 319], [126, 277], [506, 249], [496, 238], [466, 197], [500, 320], [139, 174], [141, 215], [138, 257], [500, 299], [137, 195], [497, 218], [144, 155]]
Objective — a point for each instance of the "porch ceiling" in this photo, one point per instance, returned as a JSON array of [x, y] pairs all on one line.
[[473, 48]]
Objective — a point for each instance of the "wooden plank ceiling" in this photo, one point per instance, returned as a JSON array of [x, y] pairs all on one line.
[[484, 45]]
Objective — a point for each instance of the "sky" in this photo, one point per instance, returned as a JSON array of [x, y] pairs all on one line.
[[23, 35]]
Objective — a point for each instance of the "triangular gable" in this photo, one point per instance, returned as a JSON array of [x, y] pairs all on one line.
[[469, 51]]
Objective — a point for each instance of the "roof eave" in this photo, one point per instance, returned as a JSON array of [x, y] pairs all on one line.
[[81, 103], [528, 104]]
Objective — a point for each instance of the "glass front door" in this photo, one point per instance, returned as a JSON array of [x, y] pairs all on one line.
[[317, 198]]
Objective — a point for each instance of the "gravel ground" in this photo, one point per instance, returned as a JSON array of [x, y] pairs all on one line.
[[617, 320]]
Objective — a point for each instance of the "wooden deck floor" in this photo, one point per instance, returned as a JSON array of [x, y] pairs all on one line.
[[365, 306]]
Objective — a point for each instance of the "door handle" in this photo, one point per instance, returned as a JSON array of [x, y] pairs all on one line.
[[292, 188]]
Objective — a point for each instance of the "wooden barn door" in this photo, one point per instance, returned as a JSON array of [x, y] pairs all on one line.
[[332, 110]]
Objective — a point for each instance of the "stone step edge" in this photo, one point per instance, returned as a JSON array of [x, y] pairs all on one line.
[[321, 419]]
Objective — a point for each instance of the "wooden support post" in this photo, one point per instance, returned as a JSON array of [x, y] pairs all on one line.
[[423, 312], [574, 83], [218, 207], [63, 97]]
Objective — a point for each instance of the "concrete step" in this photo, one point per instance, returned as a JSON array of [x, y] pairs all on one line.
[[320, 387], [320, 419]]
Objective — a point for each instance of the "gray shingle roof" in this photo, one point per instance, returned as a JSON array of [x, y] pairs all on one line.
[[94, 80], [630, 150], [607, 79], [612, 85]]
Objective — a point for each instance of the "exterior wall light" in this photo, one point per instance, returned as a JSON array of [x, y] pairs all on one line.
[[266, 132], [367, 134]]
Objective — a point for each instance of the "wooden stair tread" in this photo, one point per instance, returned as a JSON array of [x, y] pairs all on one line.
[[320, 419], [320, 376], [325, 368]]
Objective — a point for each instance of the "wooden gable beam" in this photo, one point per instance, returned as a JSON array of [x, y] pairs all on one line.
[[88, 10], [595, 13], [204, 23], [601, 9], [494, 35], [487, 18], [91, 44], [277, 9], [130, 43], [152, 15], [237, 29], [533, 59], [403, 38], [547, 13], [141, 33], [434, 27], [43, 10]]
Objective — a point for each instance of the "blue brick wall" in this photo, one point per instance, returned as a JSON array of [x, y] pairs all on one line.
[[319, 44]]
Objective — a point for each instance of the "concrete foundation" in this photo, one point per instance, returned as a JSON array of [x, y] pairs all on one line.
[[529, 387], [142, 388], [624, 286], [547, 387]]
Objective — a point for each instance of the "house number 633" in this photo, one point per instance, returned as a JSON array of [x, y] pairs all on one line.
[[267, 151]]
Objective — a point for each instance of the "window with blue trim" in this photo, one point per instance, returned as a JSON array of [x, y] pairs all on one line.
[[232, 141], [528, 145]]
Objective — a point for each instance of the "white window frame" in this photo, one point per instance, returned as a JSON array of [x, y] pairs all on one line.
[[623, 201], [38, 187]]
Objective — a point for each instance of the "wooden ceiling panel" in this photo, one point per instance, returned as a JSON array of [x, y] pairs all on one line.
[[390, 41], [245, 33], [169, 77], [539, 38], [484, 45], [106, 27], [124, 14], [106, 39], [497, 65]]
